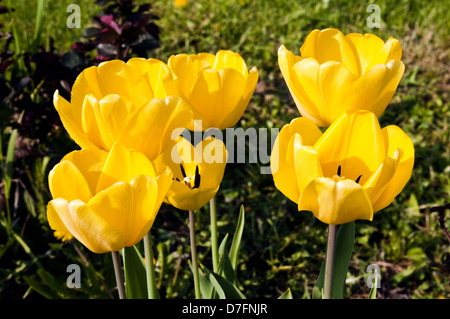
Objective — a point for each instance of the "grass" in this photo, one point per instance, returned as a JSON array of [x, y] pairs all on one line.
[[281, 248]]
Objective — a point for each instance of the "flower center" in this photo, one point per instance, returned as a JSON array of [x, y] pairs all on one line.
[[338, 177], [187, 180]]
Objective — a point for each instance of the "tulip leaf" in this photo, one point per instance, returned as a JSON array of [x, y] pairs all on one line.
[[206, 287], [135, 275], [344, 248], [224, 288], [236, 243], [286, 295], [318, 287], [373, 291], [225, 268]]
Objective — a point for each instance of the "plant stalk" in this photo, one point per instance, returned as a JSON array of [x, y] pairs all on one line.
[[194, 254], [329, 266], [119, 274], [149, 267], [214, 243]]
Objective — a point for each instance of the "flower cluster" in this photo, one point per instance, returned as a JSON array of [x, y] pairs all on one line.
[[354, 168], [124, 116], [128, 119]]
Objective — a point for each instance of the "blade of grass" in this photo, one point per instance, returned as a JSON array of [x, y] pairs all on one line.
[[38, 24]]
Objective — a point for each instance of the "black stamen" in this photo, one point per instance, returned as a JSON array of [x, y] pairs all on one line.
[[182, 171], [197, 178], [339, 170], [357, 180]]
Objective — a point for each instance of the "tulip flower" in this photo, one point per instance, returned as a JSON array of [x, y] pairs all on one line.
[[105, 200], [134, 104], [337, 73], [352, 170], [197, 171], [218, 87]]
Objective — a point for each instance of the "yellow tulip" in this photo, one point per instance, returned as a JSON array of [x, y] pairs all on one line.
[[218, 87], [134, 104], [352, 170], [197, 171], [180, 3], [106, 200], [337, 73]]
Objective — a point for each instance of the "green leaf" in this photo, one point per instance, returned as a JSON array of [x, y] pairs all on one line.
[[286, 295], [344, 248], [373, 291], [41, 289], [9, 162], [236, 243], [318, 287], [224, 288], [206, 287], [225, 268], [135, 275], [38, 23]]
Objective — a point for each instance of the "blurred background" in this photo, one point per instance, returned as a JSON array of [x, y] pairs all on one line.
[[45, 44]]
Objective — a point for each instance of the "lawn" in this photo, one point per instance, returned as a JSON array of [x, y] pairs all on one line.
[[281, 247]]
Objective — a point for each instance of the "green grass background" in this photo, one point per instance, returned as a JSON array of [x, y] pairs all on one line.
[[281, 247]]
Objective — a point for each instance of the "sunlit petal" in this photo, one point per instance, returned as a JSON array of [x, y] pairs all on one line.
[[336, 202]]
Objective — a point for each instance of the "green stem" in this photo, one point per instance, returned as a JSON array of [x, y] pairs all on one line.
[[149, 268], [214, 244], [329, 266], [119, 274], [194, 254]]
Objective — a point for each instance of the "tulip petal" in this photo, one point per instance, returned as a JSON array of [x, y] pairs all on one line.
[[123, 165], [380, 179], [336, 202], [249, 87], [92, 230], [90, 163], [115, 113], [185, 68], [115, 206], [158, 75], [86, 83], [117, 77], [392, 50], [230, 59], [366, 48], [397, 140], [330, 45], [379, 85], [93, 124], [150, 130], [66, 181], [147, 202], [334, 83], [307, 166], [54, 208], [354, 142], [214, 153], [164, 181], [128, 207], [284, 158], [230, 97], [70, 116], [205, 96], [282, 172], [304, 97], [184, 198]]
